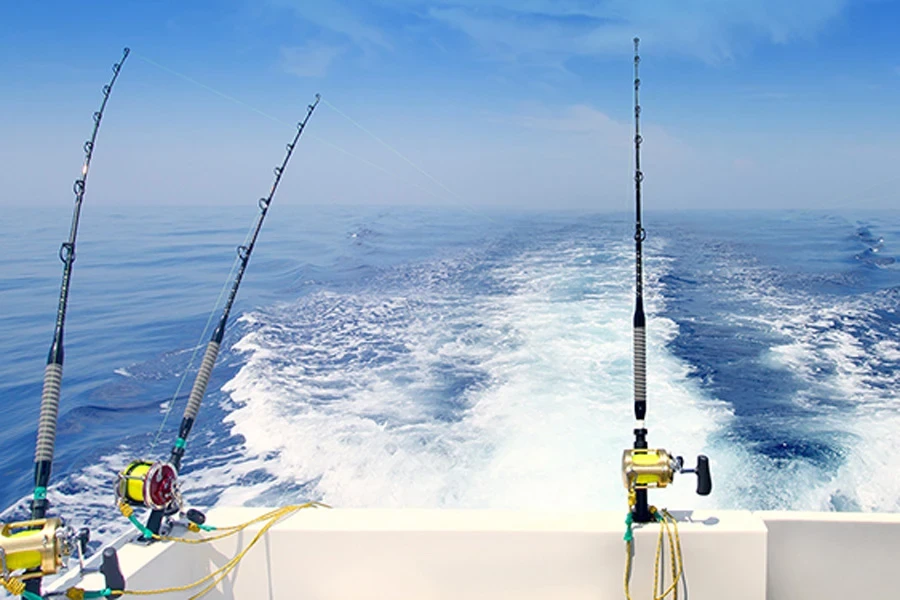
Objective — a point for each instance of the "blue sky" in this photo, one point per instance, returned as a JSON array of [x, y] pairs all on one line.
[[527, 103]]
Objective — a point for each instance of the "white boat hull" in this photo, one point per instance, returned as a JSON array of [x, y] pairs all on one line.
[[320, 554]]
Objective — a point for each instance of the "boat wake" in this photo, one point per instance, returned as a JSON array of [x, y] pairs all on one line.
[[463, 384]]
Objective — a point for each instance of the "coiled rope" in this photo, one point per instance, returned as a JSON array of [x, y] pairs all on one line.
[[212, 579], [668, 531]]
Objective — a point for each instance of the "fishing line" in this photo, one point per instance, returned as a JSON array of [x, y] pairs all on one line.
[[392, 149], [460, 202], [371, 164], [198, 345], [311, 135], [867, 194], [210, 89]]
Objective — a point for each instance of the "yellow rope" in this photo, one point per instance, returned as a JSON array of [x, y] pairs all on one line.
[[74, 593], [272, 517], [232, 529], [220, 573], [224, 532], [659, 547], [628, 570], [676, 574], [675, 551], [677, 561], [668, 529], [13, 585]]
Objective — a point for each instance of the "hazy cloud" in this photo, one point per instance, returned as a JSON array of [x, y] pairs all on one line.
[[712, 30], [548, 32], [342, 18], [311, 60], [579, 118], [600, 127]]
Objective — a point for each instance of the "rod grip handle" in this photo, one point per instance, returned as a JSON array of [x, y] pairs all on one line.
[[111, 571]]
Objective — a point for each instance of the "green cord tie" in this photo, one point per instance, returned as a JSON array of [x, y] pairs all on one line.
[[134, 521], [629, 534]]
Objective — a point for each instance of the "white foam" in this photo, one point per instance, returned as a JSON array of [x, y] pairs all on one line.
[[545, 427]]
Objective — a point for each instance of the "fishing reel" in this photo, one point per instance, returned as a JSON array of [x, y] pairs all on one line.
[[646, 468], [150, 484], [39, 547]]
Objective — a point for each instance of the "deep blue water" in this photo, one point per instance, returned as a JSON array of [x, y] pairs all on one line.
[[444, 358]]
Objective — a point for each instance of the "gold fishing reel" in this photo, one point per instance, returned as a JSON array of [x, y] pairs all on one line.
[[150, 484], [647, 468], [39, 547]]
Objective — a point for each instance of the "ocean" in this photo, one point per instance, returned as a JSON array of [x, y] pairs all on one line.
[[426, 357]]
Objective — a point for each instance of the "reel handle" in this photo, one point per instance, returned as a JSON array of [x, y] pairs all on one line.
[[83, 537], [704, 479], [195, 516]]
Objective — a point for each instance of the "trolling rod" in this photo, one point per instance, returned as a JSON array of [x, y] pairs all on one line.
[[639, 322], [156, 484], [643, 468], [46, 539], [46, 438]]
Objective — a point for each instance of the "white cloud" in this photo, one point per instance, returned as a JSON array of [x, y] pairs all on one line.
[[339, 18], [579, 118], [712, 30], [548, 32], [311, 60]]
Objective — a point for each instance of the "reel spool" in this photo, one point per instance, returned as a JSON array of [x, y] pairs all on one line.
[[154, 485], [645, 468], [40, 546]]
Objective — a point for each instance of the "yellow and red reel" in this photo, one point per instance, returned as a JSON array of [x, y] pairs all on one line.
[[150, 484]]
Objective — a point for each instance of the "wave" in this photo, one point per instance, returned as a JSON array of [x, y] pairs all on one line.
[[810, 373]]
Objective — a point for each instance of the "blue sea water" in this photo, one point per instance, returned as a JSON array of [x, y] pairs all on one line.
[[424, 357]]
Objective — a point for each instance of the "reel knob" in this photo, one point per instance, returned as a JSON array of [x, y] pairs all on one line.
[[83, 537], [195, 516], [704, 479]]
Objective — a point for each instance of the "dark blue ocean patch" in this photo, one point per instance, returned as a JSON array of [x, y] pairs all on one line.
[[824, 455], [871, 256]]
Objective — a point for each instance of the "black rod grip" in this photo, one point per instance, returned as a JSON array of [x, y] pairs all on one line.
[[111, 572]]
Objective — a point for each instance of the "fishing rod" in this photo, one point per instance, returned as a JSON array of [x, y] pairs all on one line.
[[46, 438], [644, 468], [155, 484], [39, 546]]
